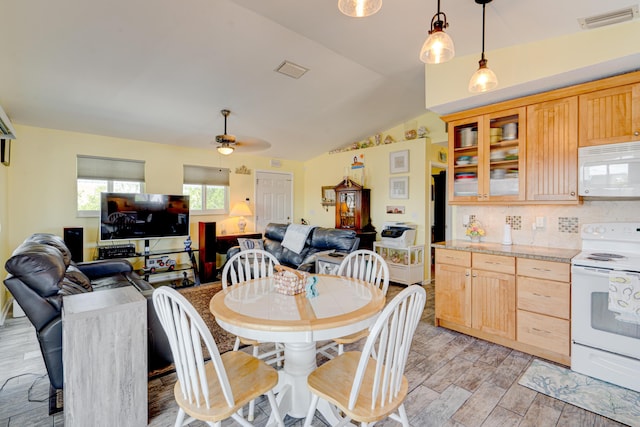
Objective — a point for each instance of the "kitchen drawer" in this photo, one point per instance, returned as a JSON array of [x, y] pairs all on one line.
[[544, 296], [450, 256], [498, 263], [550, 270], [545, 332]]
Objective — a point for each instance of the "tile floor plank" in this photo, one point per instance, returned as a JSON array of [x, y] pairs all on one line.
[[479, 405]]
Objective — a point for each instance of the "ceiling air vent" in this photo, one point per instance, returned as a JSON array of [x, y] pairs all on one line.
[[609, 18], [290, 69], [6, 128]]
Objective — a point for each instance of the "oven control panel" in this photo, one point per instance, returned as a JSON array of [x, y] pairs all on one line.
[[618, 231]]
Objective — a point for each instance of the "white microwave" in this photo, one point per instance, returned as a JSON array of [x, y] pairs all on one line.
[[611, 170]]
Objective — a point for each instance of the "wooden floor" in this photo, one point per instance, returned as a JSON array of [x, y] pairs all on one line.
[[455, 380]]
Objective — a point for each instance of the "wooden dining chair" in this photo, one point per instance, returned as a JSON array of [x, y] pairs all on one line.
[[369, 386], [218, 389], [246, 265], [365, 265]]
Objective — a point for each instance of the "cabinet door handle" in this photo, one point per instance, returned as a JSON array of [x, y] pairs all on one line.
[[541, 269], [474, 275], [636, 133], [573, 193], [466, 274]]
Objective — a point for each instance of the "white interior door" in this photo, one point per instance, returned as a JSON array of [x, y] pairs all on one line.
[[274, 194]]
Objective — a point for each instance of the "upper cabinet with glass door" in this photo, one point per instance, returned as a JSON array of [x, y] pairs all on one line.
[[488, 157]]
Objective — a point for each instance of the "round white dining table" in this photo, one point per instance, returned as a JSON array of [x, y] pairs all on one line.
[[255, 310]]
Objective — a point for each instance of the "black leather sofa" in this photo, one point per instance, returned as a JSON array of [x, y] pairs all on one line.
[[41, 273], [320, 239]]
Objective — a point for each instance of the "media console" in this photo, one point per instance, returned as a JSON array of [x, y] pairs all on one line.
[[169, 276]]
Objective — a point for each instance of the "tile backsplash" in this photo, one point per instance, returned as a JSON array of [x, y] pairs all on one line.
[[561, 223]]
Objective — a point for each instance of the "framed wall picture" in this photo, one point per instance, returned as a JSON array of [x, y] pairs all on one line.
[[328, 196], [399, 187], [399, 161]]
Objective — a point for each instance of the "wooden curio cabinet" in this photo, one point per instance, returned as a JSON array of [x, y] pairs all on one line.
[[352, 206]]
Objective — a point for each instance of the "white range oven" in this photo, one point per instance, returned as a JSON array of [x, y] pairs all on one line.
[[605, 304]]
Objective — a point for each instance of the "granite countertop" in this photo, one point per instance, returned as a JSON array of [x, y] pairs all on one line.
[[521, 251]]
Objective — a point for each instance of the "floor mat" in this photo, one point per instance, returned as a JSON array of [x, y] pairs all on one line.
[[618, 403]]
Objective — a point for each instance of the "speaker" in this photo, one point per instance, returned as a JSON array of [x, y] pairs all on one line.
[[74, 239], [207, 251]]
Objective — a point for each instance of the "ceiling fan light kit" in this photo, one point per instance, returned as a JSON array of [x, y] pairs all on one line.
[[225, 149], [226, 141], [438, 47], [483, 79], [359, 8]]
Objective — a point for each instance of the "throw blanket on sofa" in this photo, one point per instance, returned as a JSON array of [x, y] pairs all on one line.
[[295, 236]]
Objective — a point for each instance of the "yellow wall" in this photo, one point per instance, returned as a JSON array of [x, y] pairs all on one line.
[[517, 65], [41, 195], [329, 169]]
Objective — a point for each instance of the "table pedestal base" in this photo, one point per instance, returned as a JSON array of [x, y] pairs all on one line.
[[293, 395]]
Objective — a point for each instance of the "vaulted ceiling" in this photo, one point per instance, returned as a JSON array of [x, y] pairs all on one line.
[[162, 70]]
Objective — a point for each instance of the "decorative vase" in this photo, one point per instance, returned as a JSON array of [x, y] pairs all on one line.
[[475, 239]]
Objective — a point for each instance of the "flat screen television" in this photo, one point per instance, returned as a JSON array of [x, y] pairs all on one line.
[[127, 216]]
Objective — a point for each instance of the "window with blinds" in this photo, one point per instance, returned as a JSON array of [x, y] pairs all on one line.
[[101, 174], [207, 188]]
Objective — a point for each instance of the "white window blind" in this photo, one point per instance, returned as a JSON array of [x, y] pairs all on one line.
[[110, 169], [203, 175]]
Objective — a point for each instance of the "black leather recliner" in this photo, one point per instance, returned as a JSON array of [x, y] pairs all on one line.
[[41, 273]]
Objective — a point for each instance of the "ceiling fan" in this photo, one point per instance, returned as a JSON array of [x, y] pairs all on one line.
[[228, 143]]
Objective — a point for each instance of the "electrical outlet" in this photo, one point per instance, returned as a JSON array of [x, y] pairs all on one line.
[[540, 222]]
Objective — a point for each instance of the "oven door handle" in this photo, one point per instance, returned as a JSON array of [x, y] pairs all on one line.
[[602, 272]]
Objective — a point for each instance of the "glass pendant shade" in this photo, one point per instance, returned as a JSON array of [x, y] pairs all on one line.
[[438, 47], [225, 149], [483, 79], [359, 8]]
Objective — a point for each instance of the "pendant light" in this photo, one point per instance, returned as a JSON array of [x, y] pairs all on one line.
[[438, 47], [359, 8], [484, 79]]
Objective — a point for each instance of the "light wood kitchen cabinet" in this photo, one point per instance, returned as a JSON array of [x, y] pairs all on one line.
[[517, 302], [552, 150], [487, 155], [610, 116], [544, 312], [551, 127], [476, 291], [453, 287], [493, 295]]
